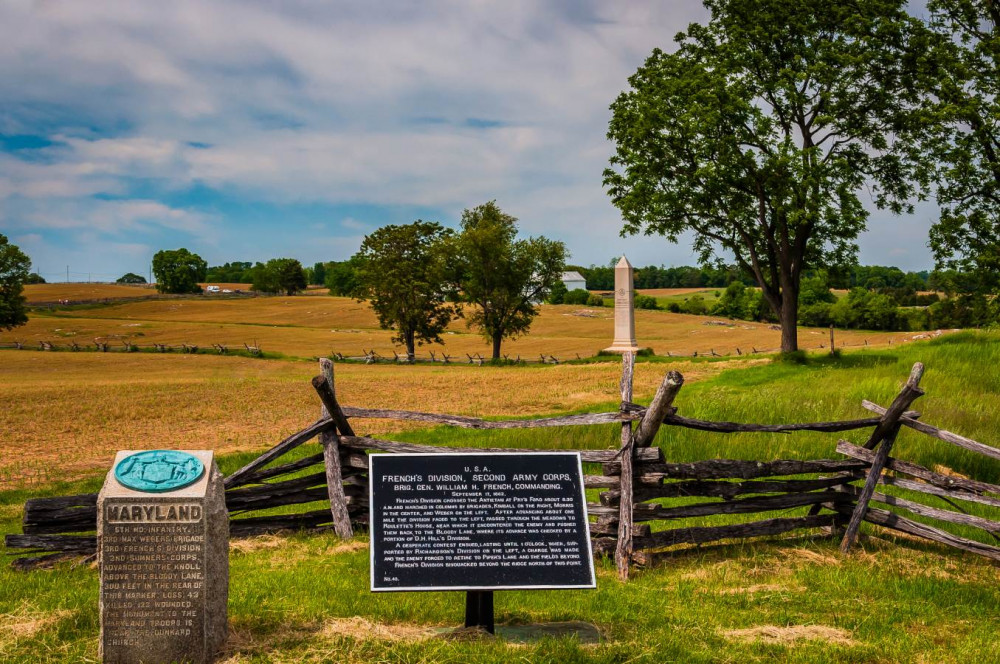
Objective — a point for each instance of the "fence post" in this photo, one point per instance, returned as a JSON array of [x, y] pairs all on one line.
[[886, 432], [623, 548], [653, 418], [331, 456]]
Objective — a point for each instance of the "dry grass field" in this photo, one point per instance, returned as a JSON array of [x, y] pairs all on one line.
[[73, 292], [65, 414], [311, 326]]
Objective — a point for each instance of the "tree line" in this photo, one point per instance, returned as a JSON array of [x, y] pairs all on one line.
[[873, 277]]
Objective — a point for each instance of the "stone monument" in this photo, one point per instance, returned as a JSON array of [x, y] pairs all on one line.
[[163, 550], [624, 310]]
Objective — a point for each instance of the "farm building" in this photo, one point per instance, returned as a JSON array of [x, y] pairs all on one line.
[[573, 280]]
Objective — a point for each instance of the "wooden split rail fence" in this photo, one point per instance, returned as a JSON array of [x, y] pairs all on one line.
[[629, 519]]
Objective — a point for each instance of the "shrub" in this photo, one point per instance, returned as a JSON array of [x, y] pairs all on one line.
[[815, 315], [646, 302], [558, 293], [695, 305], [576, 296], [595, 300]]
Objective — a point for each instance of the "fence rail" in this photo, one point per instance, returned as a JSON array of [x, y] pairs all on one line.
[[628, 520]]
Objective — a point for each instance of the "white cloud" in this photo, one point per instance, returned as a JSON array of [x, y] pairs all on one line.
[[441, 104]]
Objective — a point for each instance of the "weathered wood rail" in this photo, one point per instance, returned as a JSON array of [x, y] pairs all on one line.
[[629, 518]]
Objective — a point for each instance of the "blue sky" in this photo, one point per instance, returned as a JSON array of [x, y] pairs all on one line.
[[249, 130]]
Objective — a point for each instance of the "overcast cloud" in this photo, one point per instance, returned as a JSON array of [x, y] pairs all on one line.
[[245, 130]]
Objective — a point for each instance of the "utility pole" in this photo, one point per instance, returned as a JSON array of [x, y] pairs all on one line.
[[67, 274]]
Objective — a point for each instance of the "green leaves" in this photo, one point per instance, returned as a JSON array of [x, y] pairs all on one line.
[[964, 89], [278, 275]]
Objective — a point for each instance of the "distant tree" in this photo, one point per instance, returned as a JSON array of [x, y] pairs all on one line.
[[318, 274], [342, 277], [402, 272], [237, 272], [34, 278], [263, 279], [503, 277], [291, 277], [178, 271], [131, 278], [758, 132], [14, 266], [278, 275]]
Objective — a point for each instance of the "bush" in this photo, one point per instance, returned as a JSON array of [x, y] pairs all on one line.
[[646, 302], [815, 315], [674, 307], [576, 296], [595, 300], [34, 278], [695, 305]]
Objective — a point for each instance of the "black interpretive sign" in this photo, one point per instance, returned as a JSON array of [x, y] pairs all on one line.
[[479, 522]]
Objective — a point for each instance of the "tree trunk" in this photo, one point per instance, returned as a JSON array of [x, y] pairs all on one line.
[[497, 338], [789, 321], [410, 346]]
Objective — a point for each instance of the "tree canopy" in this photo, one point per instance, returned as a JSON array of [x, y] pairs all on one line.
[[178, 271], [758, 133], [502, 276], [402, 271], [965, 91], [14, 267], [131, 278]]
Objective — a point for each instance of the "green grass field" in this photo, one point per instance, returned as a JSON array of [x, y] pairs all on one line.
[[304, 598]]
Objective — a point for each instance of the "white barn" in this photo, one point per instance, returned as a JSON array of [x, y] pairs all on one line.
[[573, 280]]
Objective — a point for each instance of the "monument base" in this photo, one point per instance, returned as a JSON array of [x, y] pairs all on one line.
[[618, 348]]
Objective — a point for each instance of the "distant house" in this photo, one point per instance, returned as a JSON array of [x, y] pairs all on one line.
[[573, 280]]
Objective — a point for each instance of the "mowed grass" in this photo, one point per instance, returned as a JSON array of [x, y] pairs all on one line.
[[305, 597], [313, 326]]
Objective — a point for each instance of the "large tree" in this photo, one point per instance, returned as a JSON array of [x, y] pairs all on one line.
[[178, 271], [14, 267], [505, 278], [401, 270], [966, 92], [758, 133]]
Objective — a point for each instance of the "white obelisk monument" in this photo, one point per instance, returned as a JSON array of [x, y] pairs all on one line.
[[624, 310]]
